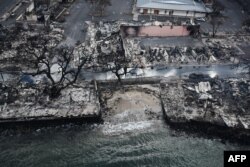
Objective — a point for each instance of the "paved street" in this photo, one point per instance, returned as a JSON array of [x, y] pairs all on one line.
[[79, 13], [21, 7], [5, 5], [120, 10], [224, 71], [235, 17], [73, 26]]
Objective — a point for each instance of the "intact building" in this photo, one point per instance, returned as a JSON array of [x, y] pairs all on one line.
[[175, 8]]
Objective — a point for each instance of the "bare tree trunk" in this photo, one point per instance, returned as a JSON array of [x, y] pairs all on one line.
[[54, 91], [213, 31], [102, 10], [119, 78]]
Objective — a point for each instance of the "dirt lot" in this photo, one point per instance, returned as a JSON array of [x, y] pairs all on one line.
[[140, 102]]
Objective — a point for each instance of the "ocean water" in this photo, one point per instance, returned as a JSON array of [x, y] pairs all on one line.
[[136, 141]]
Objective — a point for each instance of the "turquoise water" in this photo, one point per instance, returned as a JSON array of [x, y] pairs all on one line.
[[138, 143]]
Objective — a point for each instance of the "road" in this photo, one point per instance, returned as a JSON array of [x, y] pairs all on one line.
[[234, 18], [79, 13], [223, 71], [73, 26], [163, 72], [119, 10], [20, 10], [5, 5]]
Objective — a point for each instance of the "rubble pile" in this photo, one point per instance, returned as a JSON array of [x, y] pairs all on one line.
[[239, 44], [18, 44], [44, 12], [28, 103], [103, 43], [237, 39], [105, 38], [211, 53], [217, 101], [132, 49]]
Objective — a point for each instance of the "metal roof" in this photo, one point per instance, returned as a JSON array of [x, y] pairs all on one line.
[[186, 5]]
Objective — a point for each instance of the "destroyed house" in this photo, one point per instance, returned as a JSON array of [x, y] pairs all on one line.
[[174, 8]]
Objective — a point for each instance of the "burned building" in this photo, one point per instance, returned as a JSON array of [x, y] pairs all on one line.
[[44, 10]]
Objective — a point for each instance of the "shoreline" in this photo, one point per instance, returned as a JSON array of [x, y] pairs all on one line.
[[199, 127], [39, 123], [212, 131]]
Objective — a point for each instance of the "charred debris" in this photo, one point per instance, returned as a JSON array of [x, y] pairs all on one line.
[[41, 78], [212, 106]]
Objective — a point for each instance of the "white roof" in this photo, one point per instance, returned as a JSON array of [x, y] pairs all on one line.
[[186, 5]]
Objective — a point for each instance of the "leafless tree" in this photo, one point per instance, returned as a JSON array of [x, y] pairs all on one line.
[[66, 75], [218, 7], [100, 5], [120, 66], [216, 17], [194, 30], [103, 4], [116, 62], [216, 22], [42, 58]]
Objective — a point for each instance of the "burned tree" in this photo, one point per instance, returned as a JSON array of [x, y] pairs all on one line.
[[20, 41], [60, 73], [217, 7], [194, 30], [42, 57], [116, 61], [120, 65], [111, 55], [216, 17], [100, 5], [57, 69], [216, 22]]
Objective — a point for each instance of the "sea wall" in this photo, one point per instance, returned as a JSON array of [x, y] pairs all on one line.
[[209, 105], [28, 104]]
